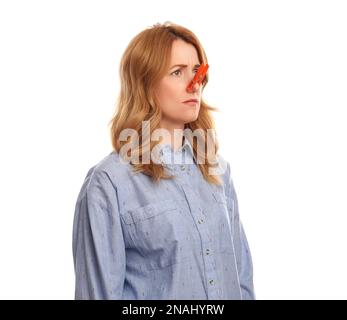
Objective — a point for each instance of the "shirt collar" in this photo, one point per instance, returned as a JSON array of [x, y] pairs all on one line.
[[187, 146], [167, 154]]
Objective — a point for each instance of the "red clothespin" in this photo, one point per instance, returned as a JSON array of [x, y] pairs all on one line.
[[199, 76]]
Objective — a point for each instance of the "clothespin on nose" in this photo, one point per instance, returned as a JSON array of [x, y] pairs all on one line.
[[199, 76]]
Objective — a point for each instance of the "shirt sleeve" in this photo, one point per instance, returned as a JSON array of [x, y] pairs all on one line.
[[98, 244], [242, 251]]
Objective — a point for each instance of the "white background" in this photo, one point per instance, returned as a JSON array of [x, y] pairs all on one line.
[[278, 74]]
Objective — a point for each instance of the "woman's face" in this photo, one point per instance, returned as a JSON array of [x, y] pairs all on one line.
[[172, 90]]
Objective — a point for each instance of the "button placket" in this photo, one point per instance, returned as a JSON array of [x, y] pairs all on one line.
[[202, 227]]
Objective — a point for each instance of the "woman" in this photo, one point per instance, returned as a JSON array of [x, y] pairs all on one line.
[[158, 217]]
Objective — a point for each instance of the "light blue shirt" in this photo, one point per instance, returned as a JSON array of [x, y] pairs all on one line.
[[181, 239]]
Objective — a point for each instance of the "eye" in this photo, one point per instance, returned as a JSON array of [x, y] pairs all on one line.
[[175, 72], [179, 70]]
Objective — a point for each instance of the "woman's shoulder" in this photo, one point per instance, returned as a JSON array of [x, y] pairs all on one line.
[[225, 171], [110, 163], [109, 171], [223, 166]]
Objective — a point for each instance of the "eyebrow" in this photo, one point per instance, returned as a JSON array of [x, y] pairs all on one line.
[[184, 66]]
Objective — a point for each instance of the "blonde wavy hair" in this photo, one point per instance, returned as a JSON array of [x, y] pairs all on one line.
[[143, 64]]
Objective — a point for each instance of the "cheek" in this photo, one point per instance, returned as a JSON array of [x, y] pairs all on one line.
[[172, 94], [169, 95]]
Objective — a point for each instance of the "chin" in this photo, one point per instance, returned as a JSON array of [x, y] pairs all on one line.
[[190, 116], [190, 119]]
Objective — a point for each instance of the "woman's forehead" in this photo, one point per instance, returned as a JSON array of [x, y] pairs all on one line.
[[183, 53]]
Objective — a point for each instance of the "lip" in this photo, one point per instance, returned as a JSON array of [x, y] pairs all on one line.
[[191, 100]]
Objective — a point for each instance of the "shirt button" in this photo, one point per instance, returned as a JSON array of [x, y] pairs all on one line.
[[149, 209], [200, 221], [183, 167], [211, 282], [207, 251]]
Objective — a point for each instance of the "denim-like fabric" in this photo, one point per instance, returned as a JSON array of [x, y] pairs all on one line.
[[181, 239]]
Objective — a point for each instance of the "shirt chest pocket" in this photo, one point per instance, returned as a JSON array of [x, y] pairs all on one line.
[[225, 221], [158, 233]]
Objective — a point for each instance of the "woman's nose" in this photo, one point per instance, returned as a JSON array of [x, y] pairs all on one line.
[[196, 87], [193, 87], [198, 78]]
